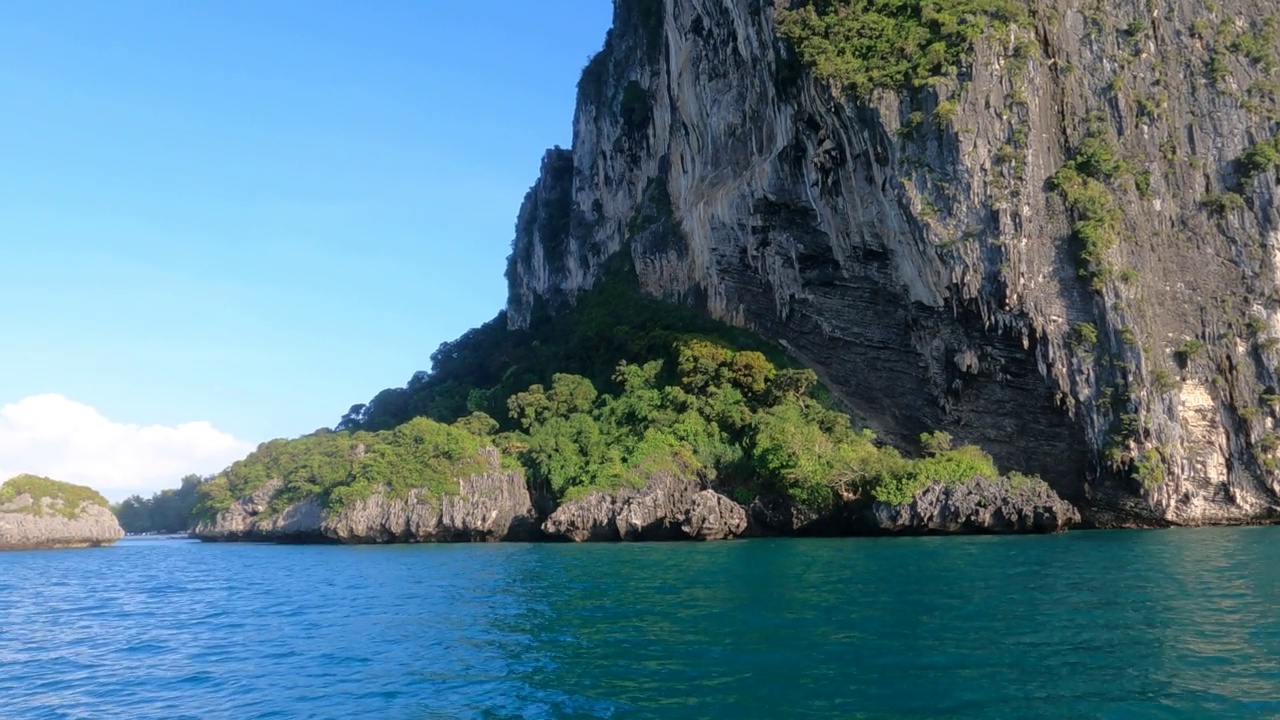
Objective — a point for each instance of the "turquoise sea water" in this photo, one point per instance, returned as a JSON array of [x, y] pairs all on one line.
[[1172, 624]]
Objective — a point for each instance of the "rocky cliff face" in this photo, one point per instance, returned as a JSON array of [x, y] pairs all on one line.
[[915, 250], [490, 506], [27, 524], [498, 506], [988, 506], [673, 507], [670, 507]]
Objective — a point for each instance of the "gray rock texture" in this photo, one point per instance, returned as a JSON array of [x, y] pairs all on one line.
[[670, 507], [23, 526], [980, 506], [591, 519], [489, 506], [496, 506], [926, 267], [712, 516]]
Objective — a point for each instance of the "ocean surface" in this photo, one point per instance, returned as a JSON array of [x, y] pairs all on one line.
[[1157, 624]]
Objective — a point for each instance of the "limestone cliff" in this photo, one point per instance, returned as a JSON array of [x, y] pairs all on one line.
[[923, 253], [992, 506]]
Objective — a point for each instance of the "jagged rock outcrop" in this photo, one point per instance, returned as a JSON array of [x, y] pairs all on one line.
[[712, 516], [497, 505], [671, 506], [591, 519], [490, 506], [913, 249], [25, 524], [980, 506], [250, 518]]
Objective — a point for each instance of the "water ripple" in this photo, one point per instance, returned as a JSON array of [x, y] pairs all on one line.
[[1087, 625]]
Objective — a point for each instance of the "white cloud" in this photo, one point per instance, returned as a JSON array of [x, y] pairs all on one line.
[[56, 437]]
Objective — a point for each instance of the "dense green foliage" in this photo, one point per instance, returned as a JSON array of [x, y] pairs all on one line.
[[1260, 158], [733, 418], [1083, 183], [481, 369], [690, 411], [168, 511], [42, 488], [340, 467], [701, 409], [892, 44], [600, 396]]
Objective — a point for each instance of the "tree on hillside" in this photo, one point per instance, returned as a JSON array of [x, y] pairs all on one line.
[[168, 511]]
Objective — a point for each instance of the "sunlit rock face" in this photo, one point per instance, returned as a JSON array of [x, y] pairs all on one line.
[[924, 264], [27, 524]]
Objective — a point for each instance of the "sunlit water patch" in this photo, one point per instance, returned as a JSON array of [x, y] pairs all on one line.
[[1176, 624]]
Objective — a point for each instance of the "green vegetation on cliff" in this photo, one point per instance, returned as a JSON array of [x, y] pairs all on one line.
[[481, 369], [731, 417], [1260, 158], [1084, 182], [599, 397], [340, 467], [892, 44], [40, 489]]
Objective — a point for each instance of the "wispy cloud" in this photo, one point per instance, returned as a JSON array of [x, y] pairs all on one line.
[[57, 437]]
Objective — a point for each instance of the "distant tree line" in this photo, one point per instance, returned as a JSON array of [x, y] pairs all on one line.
[[166, 512]]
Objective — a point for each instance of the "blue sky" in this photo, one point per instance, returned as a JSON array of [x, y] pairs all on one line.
[[255, 214]]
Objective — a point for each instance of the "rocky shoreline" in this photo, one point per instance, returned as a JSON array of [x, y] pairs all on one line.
[[498, 506]]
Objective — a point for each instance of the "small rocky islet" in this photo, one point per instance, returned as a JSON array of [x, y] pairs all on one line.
[[39, 513]]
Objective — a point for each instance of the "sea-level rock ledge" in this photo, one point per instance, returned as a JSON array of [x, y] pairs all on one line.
[[992, 506], [498, 506], [489, 506]]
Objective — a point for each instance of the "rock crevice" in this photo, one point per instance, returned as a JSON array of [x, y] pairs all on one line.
[[914, 249]]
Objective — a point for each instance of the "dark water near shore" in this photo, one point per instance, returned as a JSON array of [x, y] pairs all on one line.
[[1174, 624]]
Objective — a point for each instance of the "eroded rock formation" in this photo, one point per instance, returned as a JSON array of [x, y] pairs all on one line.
[[489, 507], [980, 506], [913, 248], [670, 507], [47, 523]]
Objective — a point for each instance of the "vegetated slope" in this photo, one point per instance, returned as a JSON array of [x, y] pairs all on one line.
[[669, 399], [1049, 228], [481, 369]]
